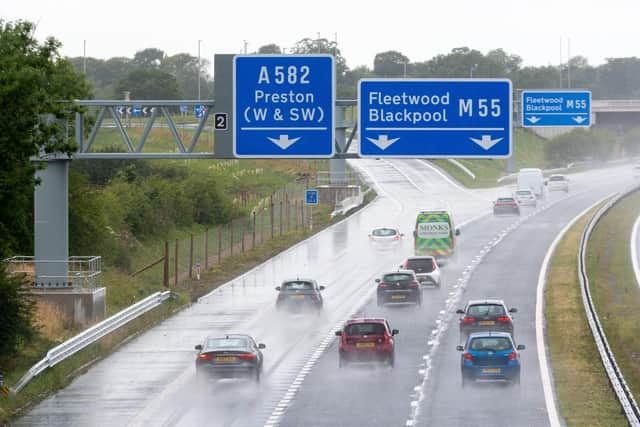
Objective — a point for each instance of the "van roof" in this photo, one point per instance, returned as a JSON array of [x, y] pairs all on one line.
[[531, 170], [432, 211]]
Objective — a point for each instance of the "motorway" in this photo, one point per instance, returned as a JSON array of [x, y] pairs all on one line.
[[150, 380]]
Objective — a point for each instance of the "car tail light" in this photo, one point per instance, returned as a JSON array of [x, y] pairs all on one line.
[[434, 265], [397, 237], [513, 355], [314, 296], [413, 285], [406, 264], [247, 356], [205, 356], [468, 320], [468, 356], [280, 297], [382, 285], [504, 319]]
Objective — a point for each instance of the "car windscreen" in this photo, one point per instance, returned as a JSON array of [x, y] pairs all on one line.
[[397, 277], [490, 344], [506, 200], [524, 193], [364, 329], [226, 343], [421, 265], [557, 178], [296, 286], [384, 232], [486, 310]]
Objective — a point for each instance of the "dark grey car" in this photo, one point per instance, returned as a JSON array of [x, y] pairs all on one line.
[[299, 295], [229, 356]]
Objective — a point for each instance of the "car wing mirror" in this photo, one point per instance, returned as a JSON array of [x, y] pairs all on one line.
[[395, 332], [338, 333], [521, 347], [401, 234], [513, 310], [261, 346], [460, 311], [459, 348], [457, 231], [277, 288], [415, 234], [377, 280], [321, 288], [198, 347]]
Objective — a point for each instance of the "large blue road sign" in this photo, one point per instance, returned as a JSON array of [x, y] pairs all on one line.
[[283, 106], [311, 197], [435, 118], [542, 108]]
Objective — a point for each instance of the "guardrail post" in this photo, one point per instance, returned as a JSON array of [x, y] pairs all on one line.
[[165, 279], [219, 244], [175, 279], [253, 232], [206, 248], [231, 237], [191, 257], [271, 214]]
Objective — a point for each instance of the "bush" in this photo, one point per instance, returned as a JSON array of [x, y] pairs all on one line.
[[16, 315]]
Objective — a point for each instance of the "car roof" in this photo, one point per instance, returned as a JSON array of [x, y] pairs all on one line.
[[227, 336], [298, 279], [489, 334], [400, 270], [431, 211], [385, 226], [485, 301], [366, 320], [524, 190], [421, 257], [558, 174]]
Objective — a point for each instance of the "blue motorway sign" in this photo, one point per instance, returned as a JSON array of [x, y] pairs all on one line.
[[544, 108], [184, 109], [137, 110], [283, 106], [435, 117], [311, 197], [199, 111]]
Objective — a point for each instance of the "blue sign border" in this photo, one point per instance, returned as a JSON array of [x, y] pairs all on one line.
[[429, 156], [287, 156], [522, 113]]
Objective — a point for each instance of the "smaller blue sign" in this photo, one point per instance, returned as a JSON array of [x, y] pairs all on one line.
[[311, 197], [199, 111], [184, 109], [546, 108], [137, 110]]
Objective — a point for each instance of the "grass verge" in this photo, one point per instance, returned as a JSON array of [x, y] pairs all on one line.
[[187, 291], [582, 387], [613, 286]]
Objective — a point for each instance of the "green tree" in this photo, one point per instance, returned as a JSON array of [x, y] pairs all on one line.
[[270, 48], [16, 315], [35, 81], [149, 84], [321, 45], [390, 64], [149, 58]]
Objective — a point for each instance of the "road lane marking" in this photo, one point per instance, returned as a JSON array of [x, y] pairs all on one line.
[[634, 250]]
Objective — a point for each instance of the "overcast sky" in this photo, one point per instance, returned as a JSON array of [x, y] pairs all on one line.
[[421, 29]]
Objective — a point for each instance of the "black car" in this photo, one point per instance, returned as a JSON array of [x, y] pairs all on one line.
[[400, 286], [229, 356], [299, 294], [506, 205], [486, 315]]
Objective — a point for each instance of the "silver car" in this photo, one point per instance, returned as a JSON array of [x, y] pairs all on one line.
[[426, 270], [558, 183], [525, 197]]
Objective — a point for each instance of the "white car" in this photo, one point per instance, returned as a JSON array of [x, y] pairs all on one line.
[[385, 235], [525, 197], [636, 170], [558, 183], [426, 269]]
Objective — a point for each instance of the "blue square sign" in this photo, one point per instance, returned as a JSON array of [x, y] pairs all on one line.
[[435, 117], [311, 197], [283, 106], [553, 108]]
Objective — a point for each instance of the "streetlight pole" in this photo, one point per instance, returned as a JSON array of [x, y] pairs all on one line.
[[199, 41], [472, 69], [404, 70], [84, 57]]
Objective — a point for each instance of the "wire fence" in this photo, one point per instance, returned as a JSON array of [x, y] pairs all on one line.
[[282, 212]]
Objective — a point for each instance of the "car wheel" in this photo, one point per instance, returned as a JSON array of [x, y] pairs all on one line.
[[465, 381], [516, 380], [392, 360], [342, 363], [379, 302], [257, 378]]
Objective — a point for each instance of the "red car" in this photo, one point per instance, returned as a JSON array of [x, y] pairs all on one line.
[[366, 339]]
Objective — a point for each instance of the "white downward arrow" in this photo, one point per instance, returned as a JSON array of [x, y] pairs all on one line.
[[383, 141], [486, 142], [579, 119], [533, 119], [283, 142]]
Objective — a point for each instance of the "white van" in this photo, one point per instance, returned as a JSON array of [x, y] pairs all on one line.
[[531, 179]]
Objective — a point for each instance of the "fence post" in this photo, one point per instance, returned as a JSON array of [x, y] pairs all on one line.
[[219, 244], [281, 217], [165, 278], [253, 233], [206, 248], [175, 279], [191, 257], [286, 201], [231, 237], [271, 214], [295, 212], [302, 219], [244, 228]]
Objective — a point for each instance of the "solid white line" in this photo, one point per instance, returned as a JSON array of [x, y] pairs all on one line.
[[545, 374], [634, 250], [450, 181]]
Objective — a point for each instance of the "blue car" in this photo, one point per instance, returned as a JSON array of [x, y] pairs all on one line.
[[490, 356]]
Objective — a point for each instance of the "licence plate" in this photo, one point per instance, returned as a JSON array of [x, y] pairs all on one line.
[[297, 297], [486, 322], [491, 371], [365, 345], [397, 297], [225, 359]]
